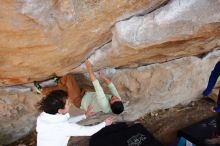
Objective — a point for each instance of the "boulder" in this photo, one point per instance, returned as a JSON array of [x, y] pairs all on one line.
[[18, 115], [40, 38], [178, 29]]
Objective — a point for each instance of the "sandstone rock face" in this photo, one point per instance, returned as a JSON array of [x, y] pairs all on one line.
[[39, 38], [18, 115], [164, 85], [180, 28]]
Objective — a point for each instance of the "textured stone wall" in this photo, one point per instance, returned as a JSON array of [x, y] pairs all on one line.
[[163, 85], [178, 29], [18, 115], [40, 38]]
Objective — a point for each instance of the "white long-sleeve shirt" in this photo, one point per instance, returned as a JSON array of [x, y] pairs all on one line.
[[55, 130]]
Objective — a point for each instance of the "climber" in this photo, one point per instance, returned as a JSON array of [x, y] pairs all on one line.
[[54, 125], [82, 99], [212, 81]]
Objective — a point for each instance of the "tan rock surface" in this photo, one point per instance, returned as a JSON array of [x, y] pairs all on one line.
[[39, 38], [180, 28], [17, 116]]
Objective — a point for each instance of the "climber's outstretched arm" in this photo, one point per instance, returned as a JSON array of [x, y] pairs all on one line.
[[89, 70]]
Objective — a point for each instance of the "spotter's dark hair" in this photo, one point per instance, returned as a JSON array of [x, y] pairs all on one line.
[[53, 102]]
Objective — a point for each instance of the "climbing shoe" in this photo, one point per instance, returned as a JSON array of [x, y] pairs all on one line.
[[38, 87], [56, 79]]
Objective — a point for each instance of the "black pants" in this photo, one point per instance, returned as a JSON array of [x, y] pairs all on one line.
[[218, 116]]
